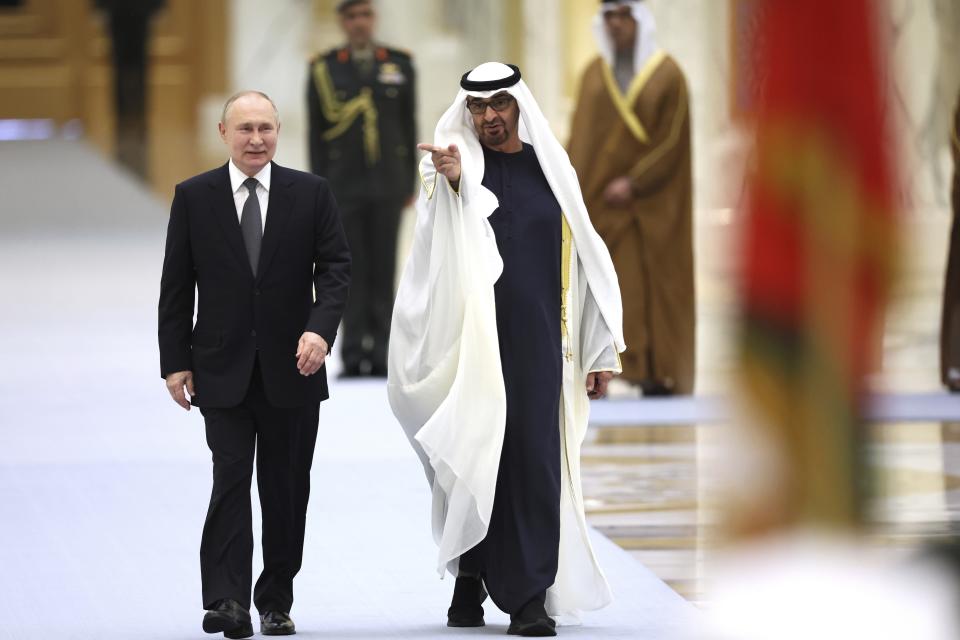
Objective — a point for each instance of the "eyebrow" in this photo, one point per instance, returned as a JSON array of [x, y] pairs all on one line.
[[502, 94]]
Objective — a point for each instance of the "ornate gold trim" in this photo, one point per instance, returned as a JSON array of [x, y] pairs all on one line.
[[342, 115], [566, 256], [675, 128], [624, 104], [430, 189], [641, 79]]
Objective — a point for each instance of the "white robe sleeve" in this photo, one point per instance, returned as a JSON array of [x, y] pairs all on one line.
[[445, 383], [608, 360], [598, 351]]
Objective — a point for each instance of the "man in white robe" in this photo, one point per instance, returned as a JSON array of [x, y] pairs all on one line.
[[476, 359]]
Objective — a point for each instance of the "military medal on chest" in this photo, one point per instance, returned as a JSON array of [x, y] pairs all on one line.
[[391, 73]]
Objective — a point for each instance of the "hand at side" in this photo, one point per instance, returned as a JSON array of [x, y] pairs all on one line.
[[311, 352], [175, 385], [597, 382]]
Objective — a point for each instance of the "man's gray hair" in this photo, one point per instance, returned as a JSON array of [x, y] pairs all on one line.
[[240, 94]]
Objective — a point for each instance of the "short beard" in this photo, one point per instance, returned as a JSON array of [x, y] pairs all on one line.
[[489, 140]]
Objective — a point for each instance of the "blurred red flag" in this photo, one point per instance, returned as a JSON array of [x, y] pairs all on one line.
[[819, 252]]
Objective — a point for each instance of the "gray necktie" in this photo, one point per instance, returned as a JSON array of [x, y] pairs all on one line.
[[251, 224]]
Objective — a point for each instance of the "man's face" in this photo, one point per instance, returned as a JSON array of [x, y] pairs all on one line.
[[497, 124], [357, 22], [250, 131], [621, 27]]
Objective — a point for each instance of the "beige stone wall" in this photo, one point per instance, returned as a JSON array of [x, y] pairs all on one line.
[[55, 64]]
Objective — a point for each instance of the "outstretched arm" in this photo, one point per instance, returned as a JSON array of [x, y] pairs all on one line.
[[446, 161]]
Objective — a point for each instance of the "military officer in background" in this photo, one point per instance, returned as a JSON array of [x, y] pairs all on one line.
[[361, 104]]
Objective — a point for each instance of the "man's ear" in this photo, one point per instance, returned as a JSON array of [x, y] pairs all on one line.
[[223, 131]]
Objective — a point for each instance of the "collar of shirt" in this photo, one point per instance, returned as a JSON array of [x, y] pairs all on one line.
[[362, 55], [240, 193], [237, 177]]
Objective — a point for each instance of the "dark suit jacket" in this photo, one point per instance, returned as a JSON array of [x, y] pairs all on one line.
[[241, 315], [339, 115]]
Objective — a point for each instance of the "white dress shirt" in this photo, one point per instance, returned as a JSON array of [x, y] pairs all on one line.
[[240, 192]]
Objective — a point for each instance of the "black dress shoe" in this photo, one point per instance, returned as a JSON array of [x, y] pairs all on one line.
[[532, 621], [465, 610], [276, 623], [229, 617]]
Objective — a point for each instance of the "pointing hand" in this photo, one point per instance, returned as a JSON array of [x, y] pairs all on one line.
[[446, 160]]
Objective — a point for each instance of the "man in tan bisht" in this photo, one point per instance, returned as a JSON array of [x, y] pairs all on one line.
[[630, 145]]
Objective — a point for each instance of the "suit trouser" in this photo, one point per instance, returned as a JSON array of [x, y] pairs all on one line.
[[281, 441], [371, 230]]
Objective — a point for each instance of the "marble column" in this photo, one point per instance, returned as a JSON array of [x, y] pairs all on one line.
[[269, 46], [445, 37], [923, 37]]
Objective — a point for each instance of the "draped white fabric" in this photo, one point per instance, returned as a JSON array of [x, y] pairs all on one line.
[[646, 44], [445, 381]]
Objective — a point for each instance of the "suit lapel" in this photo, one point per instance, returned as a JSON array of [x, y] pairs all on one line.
[[279, 210], [225, 211]]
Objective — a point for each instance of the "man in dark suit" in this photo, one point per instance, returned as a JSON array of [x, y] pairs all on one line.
[[361, 102], [264, 248]]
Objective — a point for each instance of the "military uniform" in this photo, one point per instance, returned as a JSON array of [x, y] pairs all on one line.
[[363, 140]]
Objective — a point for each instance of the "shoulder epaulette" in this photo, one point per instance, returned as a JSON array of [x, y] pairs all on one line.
[[329, 55], [399, 53]]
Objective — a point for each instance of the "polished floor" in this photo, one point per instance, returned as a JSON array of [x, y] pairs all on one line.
[[641, 489]]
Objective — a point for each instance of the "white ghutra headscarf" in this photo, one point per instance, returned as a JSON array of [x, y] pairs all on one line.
[[646, 42], [445, 381], [456, 126]]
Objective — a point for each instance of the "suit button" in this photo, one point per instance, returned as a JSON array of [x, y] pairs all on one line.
[[253, 333], [256, 292]]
